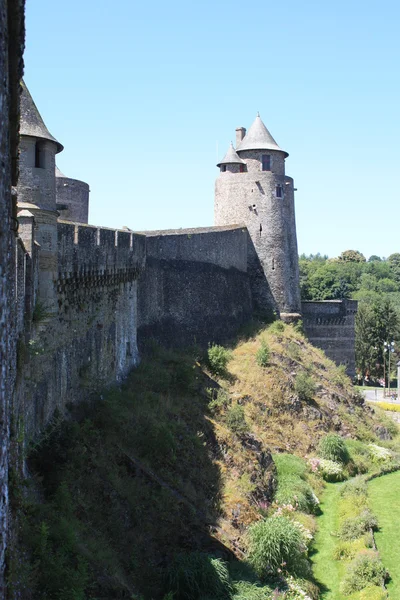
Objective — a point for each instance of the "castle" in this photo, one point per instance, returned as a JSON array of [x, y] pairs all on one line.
[[78, 302], [90, 297]]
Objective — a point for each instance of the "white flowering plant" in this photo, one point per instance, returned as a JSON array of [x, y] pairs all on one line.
[[379, 453]]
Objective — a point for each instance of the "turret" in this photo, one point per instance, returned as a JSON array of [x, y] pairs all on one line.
[[72, 198], [257, 193], [37, 191]]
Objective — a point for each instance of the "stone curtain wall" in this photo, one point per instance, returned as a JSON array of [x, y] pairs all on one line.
[[11, 65], [330, 325], [195, 289], [91, 341]]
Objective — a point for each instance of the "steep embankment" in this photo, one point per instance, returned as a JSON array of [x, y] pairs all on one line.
[[177, 460]]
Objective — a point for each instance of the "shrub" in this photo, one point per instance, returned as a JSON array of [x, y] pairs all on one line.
[[295, 491], [347, 550], [354, 527], [355, 487], [373, 592], [277, 327], [218, 358], [366, 569], [244, 590], [276, 544], [304, 386], [263, 355], [359, 454], [331, 470], [194, 575], [218, 401], [332, 447], [380, 454], [339, 376], [235, 419]]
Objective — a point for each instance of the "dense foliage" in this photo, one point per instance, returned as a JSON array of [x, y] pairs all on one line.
[[376, 285]]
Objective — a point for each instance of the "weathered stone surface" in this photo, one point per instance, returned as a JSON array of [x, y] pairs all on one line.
[[250, 198], [11, 48], [195, 288], [330, 325]]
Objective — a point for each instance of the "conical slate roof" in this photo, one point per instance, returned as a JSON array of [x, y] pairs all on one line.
[[32, 123], [231, 157], [259, 138]]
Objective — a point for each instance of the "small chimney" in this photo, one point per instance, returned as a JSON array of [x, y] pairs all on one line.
[[240, 133]]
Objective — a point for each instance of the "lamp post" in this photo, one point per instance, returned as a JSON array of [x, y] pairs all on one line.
[[389, 348]]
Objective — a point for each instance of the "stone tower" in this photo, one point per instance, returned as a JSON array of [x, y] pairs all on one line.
[[37, 192], [252, 189], [72, 196]]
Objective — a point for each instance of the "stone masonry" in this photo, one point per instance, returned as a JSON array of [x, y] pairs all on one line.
[[11, 49], [252, 189]]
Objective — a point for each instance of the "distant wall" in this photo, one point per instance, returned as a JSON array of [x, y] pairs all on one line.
[[330, 325], [195, 288], [91, 342]]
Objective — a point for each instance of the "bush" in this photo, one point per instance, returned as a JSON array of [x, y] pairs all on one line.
[[366, 569], [277, 327], [244, 590], [331, 470], [347, 550], [332, 447], [194, 575], [235, 419], [359, 454], [274, 544], [373, 592], [304, 386], [263, 355], [217, 359], [218, 401], [297, 492], [380, 454], [354, 527], [355, 487]]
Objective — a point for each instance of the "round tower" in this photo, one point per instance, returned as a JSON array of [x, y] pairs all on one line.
[[72, 198], [37, 188], [252, 189]]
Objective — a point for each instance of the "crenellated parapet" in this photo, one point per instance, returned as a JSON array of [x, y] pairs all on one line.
[[98, 255]]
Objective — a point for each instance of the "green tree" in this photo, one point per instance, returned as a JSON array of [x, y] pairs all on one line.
[[352, 256], [394, 263]]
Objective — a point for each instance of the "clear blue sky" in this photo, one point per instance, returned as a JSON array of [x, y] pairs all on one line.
[[142, 94]]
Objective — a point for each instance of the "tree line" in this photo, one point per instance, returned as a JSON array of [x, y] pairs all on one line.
[[375, 283]]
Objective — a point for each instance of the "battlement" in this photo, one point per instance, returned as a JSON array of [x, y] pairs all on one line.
[[103, 254]]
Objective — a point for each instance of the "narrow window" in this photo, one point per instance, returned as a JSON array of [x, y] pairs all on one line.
[[260, 229], [39, 155], [273, 264], [278, 191], [223, 168], [266, 162], [241, 168]]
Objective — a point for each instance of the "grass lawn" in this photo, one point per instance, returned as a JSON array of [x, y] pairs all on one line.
[[327, 571], [384, 500]]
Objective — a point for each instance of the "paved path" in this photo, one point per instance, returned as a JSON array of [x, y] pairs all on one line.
[[376, 395]]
